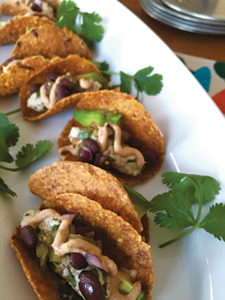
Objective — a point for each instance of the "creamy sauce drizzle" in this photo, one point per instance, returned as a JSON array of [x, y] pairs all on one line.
[[118, 148]]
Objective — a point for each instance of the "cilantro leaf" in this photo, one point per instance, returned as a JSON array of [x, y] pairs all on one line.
[[103, 67], [4, 189], [84, 24], [152, 85], [207, 186], [29, 153], [214, 222], [9, 134], [90, 28], [67, 14], [173, 210], [126, 82], [141, 204]]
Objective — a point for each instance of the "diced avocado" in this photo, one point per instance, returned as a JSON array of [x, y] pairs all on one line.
[[125, 287], [141, 296], [42, 252], [114, 118], [54, 258], [84, 134], [86, 117], [93, 76]]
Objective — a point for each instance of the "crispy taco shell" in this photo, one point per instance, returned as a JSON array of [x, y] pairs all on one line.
[[45, 282], [128, 249], [49, 40], [14, 7], [144, 134], [73, 64], [17, 26], [17, 74], [87, 180]]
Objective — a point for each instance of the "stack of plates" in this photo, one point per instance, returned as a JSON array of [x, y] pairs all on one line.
[[202, 16]]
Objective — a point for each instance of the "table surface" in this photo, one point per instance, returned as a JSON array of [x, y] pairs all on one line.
[[202, 45]]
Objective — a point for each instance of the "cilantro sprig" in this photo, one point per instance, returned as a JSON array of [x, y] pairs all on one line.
[[174, 209], [9, 136], [143, 80], [86, 25]]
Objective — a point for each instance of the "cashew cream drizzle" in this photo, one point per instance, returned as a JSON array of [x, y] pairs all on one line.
[[49, 101], [118, 148], [62, 247]]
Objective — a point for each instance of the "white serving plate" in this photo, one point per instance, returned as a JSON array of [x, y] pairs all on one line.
[[193, 129]]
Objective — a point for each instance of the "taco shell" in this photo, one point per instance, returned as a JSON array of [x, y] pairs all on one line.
[[87, 180], [44, 282], [72, 64], [144, 134], [17, 74], [14, 7], [49, 40], [18, 25]]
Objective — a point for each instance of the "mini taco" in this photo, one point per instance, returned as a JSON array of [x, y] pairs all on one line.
[[14, 72], [49, 91], [113, 130], [15, 7], [12, 30], [49, 40], [95, 252], [89, 181]]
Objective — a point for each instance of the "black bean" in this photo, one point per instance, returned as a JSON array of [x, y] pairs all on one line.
[[52, 76], [29, 236], [36, 7], [67, 84], [87, 155], [90, 286], [35, 88], [78, 261], [61, 92], [92, 145], [102, 161]]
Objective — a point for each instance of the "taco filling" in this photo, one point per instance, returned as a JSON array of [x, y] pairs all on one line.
[[43, 97], [102, 142], [47, 7], [77, 258]]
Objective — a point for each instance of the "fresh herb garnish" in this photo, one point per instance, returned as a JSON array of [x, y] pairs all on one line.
[[143, 80], [4, 189], [175, 209], [55, 227], [86, 25], [141, 204], [9, 135]]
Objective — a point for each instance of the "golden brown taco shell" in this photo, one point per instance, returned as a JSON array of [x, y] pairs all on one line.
[[17, 26], [49, 40], [14, 7], [143, 132], [17, 74], [73, 64], [87, 180]]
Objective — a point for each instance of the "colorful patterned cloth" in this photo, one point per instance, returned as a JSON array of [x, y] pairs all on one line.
[[210, 74]]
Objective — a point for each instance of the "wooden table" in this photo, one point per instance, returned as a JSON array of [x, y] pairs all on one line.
[[202, 45]]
